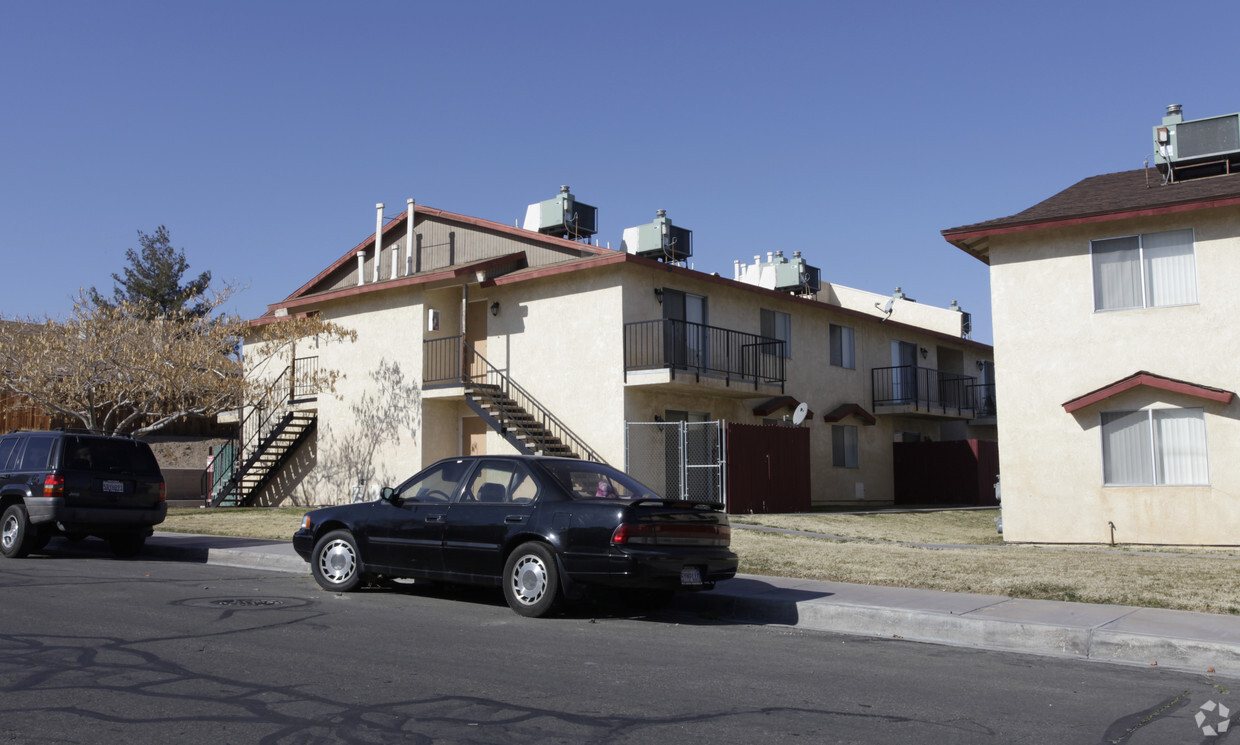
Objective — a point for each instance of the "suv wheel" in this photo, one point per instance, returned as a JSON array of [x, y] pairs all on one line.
[[17, 538]]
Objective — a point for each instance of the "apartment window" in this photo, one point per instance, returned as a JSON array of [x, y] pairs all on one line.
[[843, 349], [776, 325], [1145, 271], [844, 451], [1154, 447]]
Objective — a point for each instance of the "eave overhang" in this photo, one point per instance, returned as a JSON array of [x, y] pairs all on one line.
[[1149, 380]]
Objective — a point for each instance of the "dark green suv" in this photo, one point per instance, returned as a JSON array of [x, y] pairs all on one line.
[[75, 485]]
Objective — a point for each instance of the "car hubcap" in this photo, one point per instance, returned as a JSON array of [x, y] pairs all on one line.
[[10, 532], [529, 579], [337, 561]]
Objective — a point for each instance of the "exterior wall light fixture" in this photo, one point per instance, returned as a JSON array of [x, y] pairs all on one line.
[[495, 308]]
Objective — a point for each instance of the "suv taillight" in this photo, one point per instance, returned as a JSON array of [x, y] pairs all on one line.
[[53, 485], [163, 490]]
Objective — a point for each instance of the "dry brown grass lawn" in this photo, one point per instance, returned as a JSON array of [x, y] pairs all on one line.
[[973, 527], [1095, 575], [1050, 573], [244, 522]]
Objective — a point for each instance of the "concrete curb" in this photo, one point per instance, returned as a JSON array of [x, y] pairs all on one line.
[[1197, 642]]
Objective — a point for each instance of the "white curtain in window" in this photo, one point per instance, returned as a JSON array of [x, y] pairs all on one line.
[[1170, 268], [1126, 456], [1180, 446], [1117, 273]]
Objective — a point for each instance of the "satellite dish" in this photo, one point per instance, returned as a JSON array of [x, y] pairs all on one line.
[[798, 416]]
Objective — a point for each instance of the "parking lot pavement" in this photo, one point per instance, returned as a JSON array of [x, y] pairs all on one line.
[[1197, 642]]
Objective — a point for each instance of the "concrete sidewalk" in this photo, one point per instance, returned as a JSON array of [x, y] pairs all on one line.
[[1197, 642]]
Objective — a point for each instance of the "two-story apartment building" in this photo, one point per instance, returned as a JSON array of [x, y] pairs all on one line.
[[1112, 303], [478, 337]]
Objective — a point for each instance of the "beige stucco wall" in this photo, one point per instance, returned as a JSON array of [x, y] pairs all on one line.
[[561, 338], [1051, 347]]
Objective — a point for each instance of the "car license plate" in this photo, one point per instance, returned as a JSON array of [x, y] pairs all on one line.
[[115, 487], [690, 576]]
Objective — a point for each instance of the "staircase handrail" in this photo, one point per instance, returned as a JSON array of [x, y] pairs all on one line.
[[554, 427], [246, 445]]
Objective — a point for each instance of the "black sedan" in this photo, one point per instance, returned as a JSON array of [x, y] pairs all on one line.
[[541, 528]]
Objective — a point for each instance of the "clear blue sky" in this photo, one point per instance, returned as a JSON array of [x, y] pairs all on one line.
[[262, 133]]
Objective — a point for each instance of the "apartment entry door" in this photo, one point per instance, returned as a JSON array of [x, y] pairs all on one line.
[[473, 436], [476, 339], [685, 338], [904, 376]]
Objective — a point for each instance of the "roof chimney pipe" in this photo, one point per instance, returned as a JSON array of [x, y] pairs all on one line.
[[1174, 115]]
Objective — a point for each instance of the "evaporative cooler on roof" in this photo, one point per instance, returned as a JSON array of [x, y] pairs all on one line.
[[1198, 147], [562, 216], [658, 240]]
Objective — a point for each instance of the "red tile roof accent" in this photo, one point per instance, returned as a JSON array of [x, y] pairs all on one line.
[[770, 406], [844, 411], [1143, 378]]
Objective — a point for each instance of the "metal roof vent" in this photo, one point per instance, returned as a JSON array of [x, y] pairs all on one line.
[[1197, 147], [562, 216], [659, 240], [778, 273]]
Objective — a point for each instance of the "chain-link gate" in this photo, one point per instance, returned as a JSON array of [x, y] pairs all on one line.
[[679, 460]]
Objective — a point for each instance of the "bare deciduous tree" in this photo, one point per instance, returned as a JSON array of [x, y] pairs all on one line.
[[116, 369]]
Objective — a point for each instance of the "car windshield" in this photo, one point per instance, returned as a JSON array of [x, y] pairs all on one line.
[[436, 484], [596, 481]]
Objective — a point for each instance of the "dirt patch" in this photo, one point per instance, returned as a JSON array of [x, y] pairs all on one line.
[[175, 451]]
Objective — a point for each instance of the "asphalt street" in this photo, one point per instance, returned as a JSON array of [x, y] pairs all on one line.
[[97, 650]]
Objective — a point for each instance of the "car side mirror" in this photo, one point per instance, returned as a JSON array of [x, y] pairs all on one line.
[[388, 494]]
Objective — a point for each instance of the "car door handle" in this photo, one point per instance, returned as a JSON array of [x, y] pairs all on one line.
[[515, 519], [434, 518]]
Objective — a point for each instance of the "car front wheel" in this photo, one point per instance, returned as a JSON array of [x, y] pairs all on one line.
[[531, 580], [17, 538], [336, 563]]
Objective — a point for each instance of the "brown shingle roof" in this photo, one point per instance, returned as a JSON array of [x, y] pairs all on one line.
[[1103, 198]]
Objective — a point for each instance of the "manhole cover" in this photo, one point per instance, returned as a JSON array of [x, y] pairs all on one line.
[[244, 603]]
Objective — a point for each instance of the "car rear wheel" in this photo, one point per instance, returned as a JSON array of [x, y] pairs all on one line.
[[17, 536], [335, 562], [531, 580]]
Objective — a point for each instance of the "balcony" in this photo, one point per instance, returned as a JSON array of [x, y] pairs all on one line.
[[681, 353], [922, 391]]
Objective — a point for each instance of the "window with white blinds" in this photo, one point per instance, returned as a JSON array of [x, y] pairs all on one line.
[[1145, 271], [1155, 447]]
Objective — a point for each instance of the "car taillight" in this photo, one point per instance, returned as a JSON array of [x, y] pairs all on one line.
[[53, 485], [671, 534], [163, 490]]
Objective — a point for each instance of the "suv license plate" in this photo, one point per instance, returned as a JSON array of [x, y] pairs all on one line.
[[690, 576], [117, 487]]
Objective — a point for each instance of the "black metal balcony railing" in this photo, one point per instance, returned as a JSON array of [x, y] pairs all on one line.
[[924, 389], [682, 346], [442, 360], [305, 371], [982, 396]]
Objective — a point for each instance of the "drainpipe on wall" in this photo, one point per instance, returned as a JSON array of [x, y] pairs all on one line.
[[378, 237]]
